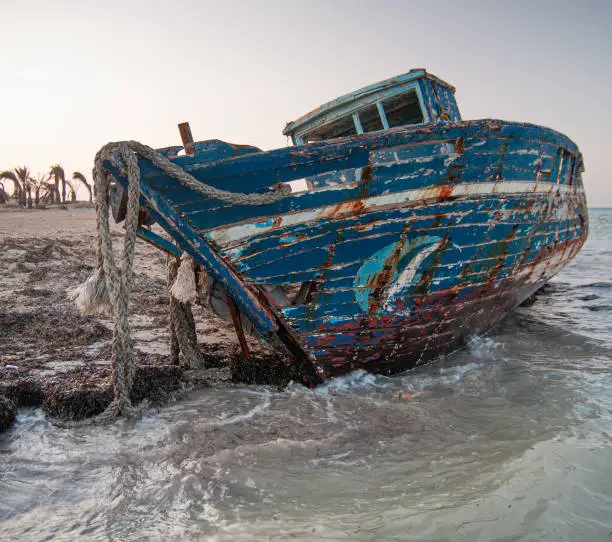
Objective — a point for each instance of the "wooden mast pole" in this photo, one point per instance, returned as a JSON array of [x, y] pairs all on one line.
[[187, 138]]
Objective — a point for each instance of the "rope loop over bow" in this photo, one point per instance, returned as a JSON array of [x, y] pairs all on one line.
[[109, 289]]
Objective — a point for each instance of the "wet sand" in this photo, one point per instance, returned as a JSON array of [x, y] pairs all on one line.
[[50, 356]]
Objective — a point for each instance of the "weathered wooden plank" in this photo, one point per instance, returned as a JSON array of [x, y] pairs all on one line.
[[242, 174], [429, 307], [412, 197], [284, 161], [259, 266], [479, 256], [204, 219], [158, 241], [338, 274], [262, 170], [380, 221]]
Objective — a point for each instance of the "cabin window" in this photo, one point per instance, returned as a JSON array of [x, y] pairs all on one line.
[[403, 109], [370, 119], [341, 128]]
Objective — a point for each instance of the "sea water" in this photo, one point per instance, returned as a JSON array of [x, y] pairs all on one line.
[[508, 439]]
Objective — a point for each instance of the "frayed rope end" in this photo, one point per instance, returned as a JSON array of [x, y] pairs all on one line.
[[91, 298], [184, 287]]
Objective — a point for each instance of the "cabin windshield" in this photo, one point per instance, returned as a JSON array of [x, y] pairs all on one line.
[[398, 110], [403, 109], [370, 120], [340, 128]]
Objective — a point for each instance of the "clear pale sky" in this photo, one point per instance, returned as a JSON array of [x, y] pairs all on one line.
[[77, 74]]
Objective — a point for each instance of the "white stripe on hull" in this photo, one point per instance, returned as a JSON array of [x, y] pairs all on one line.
[[224, 236]]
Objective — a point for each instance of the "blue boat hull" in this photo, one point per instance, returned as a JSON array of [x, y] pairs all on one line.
[[407, 242], [402, 287]]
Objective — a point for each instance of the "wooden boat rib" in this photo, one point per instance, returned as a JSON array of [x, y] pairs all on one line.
[[408, 229]]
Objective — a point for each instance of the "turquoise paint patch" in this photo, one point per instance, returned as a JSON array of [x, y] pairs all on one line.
[[265, 224], [375, 264], [369, 270]]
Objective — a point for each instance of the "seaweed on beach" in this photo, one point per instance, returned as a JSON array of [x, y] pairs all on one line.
[[55, 359]]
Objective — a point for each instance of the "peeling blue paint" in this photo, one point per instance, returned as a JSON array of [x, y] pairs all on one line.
[[407, 240]]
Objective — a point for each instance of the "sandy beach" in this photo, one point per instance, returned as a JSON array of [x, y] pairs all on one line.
[[50, 356]]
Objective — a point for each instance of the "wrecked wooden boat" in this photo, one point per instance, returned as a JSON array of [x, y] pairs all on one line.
[[405, 229]]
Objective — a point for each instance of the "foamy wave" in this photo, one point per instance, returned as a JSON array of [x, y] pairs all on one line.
[[416, 382], [484, 348], [355, 380], [457, 373], [256, 410]]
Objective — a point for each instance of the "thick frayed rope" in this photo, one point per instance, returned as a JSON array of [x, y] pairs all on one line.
[[184, 287], [183, 336], [110, 285], [187, 180], [172, 268], [119, 282], [91, 297]]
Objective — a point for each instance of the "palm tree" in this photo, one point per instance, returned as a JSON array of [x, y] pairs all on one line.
[[76, 176], [4, 197], [72, 191], [23, 174], [41, 185], [48, 192], [29, 185], [19, 178], [9, 175], [57, 172]]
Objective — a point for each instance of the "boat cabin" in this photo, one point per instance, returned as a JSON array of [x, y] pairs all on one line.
[[415, 98]]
